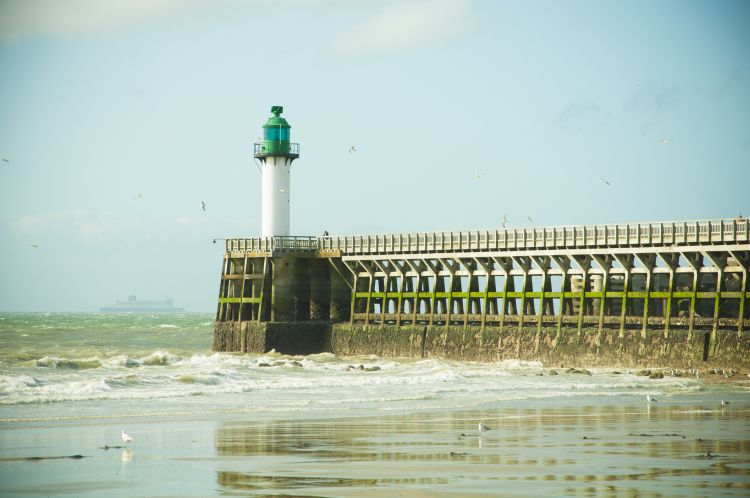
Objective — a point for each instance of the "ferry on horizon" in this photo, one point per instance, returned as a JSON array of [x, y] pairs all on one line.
[[132, 305]]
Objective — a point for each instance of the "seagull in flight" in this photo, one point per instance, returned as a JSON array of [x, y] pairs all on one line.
[[605, 181], [664, 141], [529, 218], [35, 246], [352, 149], [137, 196], [476, 176], [203, 205], [5, 160], [505, 220], [126, 438]]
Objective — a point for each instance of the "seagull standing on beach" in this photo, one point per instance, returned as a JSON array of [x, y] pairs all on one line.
[[484, 428], [651, 399], [724, 403], [126, 438]]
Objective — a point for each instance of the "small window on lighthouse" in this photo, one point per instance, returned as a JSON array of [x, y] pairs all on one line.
[[272, 134], [276, 134]]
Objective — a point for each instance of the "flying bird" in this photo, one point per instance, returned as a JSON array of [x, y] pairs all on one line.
[[604, 180], [529, 218], [477, 176], [137, 196], [5, 160], [126, 438], [34, 246], [505, 220], [352, 149], [203, 205], [664, 141]]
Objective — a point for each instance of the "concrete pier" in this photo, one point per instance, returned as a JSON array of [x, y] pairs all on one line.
[[671, 292]]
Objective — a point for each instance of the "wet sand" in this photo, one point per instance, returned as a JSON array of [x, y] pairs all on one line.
[[682, 446]]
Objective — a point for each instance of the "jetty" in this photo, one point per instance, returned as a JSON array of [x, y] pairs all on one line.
[[670, 293]]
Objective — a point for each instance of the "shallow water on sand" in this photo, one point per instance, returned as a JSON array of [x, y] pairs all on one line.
[[208, 424]]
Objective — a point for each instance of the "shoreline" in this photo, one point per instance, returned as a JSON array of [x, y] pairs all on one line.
[[687, 445]]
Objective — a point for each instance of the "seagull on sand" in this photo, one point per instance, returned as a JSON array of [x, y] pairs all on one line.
[[651, 399], [203, 205], [483, 428], [724, 403], [126, 438]]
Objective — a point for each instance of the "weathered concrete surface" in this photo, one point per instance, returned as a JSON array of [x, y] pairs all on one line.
[[388, 340], [261, 337], [677, 349]]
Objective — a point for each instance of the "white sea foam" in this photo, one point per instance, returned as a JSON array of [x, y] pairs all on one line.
[[10, 384]]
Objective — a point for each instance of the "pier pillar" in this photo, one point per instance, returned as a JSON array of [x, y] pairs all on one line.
[[341, 298], [320, 290], [290, 290]]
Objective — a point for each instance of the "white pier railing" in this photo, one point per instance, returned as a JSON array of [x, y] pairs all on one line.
[[702, 232]]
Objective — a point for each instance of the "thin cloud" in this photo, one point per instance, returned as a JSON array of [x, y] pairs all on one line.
[[27, 18], [24, 18], [108, 229], [405, 25], [580, 111], [649, 98]]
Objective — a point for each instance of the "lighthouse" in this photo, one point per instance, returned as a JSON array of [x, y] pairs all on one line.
[[276, 154]]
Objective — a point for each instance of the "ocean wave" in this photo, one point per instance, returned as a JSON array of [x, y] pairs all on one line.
[[10, 384], [159, 358], [72, 364]]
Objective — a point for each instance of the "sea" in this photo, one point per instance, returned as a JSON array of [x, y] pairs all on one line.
[[261, 424]]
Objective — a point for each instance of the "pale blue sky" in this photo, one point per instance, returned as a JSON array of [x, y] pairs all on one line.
[[101, 101]]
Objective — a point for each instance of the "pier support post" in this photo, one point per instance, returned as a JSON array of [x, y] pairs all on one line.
[[320, 291], [744, 262], [648, 261], [341, 294], [626, 260], [695, 260]]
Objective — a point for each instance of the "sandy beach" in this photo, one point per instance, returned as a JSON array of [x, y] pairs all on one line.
[[684, 446]]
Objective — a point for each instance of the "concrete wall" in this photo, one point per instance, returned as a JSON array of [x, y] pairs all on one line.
[[679, 349]]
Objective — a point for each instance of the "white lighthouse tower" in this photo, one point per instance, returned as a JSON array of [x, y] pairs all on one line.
[[276, 154]]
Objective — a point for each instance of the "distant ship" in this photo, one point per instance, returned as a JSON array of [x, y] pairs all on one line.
[[132, 305]]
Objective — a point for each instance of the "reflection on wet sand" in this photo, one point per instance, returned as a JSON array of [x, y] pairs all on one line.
[[575, 451]]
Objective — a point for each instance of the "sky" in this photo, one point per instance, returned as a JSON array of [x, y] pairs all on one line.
[[118, 118]]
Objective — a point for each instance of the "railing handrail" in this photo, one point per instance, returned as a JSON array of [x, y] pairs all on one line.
[[566, 236]]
